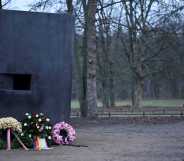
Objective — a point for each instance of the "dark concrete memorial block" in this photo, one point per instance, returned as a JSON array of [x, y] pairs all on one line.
[[35, 63]]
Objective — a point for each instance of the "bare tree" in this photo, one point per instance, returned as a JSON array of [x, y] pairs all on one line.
[[91, 59], [105, 58], [139, 47], [4, 3], [0, 4], [83, 70], [69, 6]]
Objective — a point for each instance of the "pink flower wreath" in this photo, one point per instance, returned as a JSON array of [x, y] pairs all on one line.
[[63, 133]]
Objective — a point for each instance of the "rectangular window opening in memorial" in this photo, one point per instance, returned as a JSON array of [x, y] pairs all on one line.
[[16, 82]]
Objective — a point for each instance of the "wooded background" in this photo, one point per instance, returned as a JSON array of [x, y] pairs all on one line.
[[124, 49]]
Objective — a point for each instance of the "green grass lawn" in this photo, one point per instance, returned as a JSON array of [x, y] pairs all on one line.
[[150, 103]]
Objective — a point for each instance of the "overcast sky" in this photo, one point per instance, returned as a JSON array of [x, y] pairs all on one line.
[[19, 4]]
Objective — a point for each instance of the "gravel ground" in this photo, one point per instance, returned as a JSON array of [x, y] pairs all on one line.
[[111, 141]]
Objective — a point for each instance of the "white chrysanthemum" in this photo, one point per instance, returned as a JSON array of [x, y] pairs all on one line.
[[39, 119], [47, 119], [49, 137], [29, 117], [30, 135], [25, 124], [27, 114], [49, 127], [10, 122], [37, 115]]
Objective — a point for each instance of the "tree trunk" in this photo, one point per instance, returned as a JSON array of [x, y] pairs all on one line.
[[181, 88], [105, 95], [91, 60], [69, 6], [1, 4], [81, 78], [156, 89], [83, 93], [70, 12], [138, 94], [111, 87], [106, 64], [174, 88], [82, 68]]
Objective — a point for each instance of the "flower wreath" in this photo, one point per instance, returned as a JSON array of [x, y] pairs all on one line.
[[63, 133]]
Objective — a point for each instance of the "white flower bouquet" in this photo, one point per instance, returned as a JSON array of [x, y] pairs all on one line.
[[10, 123]]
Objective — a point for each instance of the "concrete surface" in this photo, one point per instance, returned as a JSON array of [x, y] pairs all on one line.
[[115, 142]]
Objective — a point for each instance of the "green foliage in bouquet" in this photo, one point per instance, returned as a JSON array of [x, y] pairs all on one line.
[[28, 142], [2, 139], [2, 144], [36, 125], [14, 142]]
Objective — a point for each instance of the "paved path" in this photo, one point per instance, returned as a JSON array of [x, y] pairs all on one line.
[[129, 142]]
